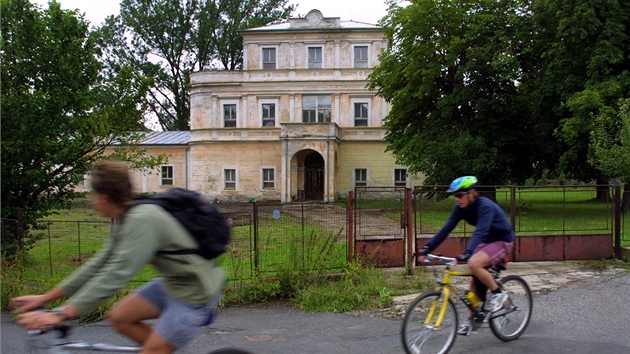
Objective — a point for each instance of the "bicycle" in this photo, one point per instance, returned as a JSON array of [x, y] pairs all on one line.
[[431, 320], [62, 345]]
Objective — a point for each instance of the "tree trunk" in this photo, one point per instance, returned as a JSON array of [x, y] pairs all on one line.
[[603, 192]]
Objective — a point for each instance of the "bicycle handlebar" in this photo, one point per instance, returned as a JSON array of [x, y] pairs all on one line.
[[447, 260]]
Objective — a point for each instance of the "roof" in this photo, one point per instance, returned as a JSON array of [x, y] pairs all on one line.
[[314, 20], [166, 138], [342, 25]]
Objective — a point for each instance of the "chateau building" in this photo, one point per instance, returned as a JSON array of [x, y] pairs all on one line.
[[297, 122]]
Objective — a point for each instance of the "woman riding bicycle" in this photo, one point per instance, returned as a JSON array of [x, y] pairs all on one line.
[[491, 241], [182, 300]]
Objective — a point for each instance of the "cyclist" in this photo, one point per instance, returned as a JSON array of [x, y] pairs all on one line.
[[491, 241], [181, 300]]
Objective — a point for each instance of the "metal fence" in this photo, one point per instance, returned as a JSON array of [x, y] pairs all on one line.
[[550, 210], [267, 239]]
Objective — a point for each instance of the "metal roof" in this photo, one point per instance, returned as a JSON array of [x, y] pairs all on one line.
[[166, 138]]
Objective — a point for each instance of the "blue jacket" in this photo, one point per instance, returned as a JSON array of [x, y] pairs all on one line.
[[489, 220]]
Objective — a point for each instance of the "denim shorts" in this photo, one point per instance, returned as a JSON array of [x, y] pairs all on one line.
[[179, 322], [496, 251]]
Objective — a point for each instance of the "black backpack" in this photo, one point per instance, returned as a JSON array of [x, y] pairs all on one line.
[[198, 216]]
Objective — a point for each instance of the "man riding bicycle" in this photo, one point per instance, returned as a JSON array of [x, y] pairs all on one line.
[[181, 300], [491, 241]]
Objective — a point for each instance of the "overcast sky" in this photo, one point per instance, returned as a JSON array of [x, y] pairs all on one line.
[[369, 11]]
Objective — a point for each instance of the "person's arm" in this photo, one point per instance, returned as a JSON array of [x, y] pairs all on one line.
[[82, 275], [33, 302], [67, 287], [135, 246], [446, 229]]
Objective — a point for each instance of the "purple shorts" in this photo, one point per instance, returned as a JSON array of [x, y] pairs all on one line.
[[496, 251]]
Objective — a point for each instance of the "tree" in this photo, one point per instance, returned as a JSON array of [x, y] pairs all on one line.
[[584, 71], [610, 142], [58, 111], [453, 77], [166, 40]]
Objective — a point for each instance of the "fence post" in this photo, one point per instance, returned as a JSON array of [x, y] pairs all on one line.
[[256, 254], [617, 234], [20, 230], [350, 230], [411, 249], [513, 219]]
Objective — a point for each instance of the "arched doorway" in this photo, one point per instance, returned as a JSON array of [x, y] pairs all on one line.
[[314, 176]]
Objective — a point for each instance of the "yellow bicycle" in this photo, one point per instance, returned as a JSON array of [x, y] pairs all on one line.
[[431, 320]]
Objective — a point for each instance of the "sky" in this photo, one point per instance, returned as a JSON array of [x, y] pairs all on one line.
[[369, 11]]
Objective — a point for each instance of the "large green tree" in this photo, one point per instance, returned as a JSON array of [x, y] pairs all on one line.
[[452, 75], [166, 40], [585, 71], [59, 111]]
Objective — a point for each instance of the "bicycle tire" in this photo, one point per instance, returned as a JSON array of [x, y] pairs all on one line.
[[512, 320], [420, 338], [229, 351]]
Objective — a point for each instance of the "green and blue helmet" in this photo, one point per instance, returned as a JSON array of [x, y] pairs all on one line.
[[462, 184]]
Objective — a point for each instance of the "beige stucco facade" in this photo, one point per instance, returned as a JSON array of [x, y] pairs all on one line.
[[295, 123], [298, 111]]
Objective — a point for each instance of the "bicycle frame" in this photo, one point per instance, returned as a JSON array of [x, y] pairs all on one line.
[[447, 288]]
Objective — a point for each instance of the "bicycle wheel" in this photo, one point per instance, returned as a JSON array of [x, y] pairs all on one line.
[[420, 333], [229, 351], [512, 320]]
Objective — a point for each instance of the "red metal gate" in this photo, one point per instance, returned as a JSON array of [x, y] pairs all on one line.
[[380, 230]]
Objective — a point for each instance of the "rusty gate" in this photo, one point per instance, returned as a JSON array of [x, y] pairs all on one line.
[[380, 225]]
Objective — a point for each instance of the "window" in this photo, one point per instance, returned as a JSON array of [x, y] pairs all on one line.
[[268, 178], [360, 56], [360, 177], [400, 177], [269, 58], [268, 114], [166, 176], [229, 178], [360, 114], [229, 115], [316, 109], [314, 57]]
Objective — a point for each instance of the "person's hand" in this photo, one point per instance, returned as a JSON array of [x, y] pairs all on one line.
[[38, 319], [422, 253], [462, 258], [27, 302]]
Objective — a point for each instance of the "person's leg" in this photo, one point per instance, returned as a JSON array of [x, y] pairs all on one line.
[[486, 255], [127, 316], [478, 264], [156, 344]]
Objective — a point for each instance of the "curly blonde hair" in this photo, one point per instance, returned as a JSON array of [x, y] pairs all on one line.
[[111, 178]]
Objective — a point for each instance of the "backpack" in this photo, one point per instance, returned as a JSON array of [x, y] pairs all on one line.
[[202, 220]]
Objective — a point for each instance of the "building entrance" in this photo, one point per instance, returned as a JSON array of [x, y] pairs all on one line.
[[314, 177]]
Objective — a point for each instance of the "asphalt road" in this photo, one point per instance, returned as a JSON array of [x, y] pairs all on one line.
[[589, 316]]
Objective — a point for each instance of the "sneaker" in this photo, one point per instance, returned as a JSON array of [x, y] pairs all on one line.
[[497, 301], [465, 328]]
